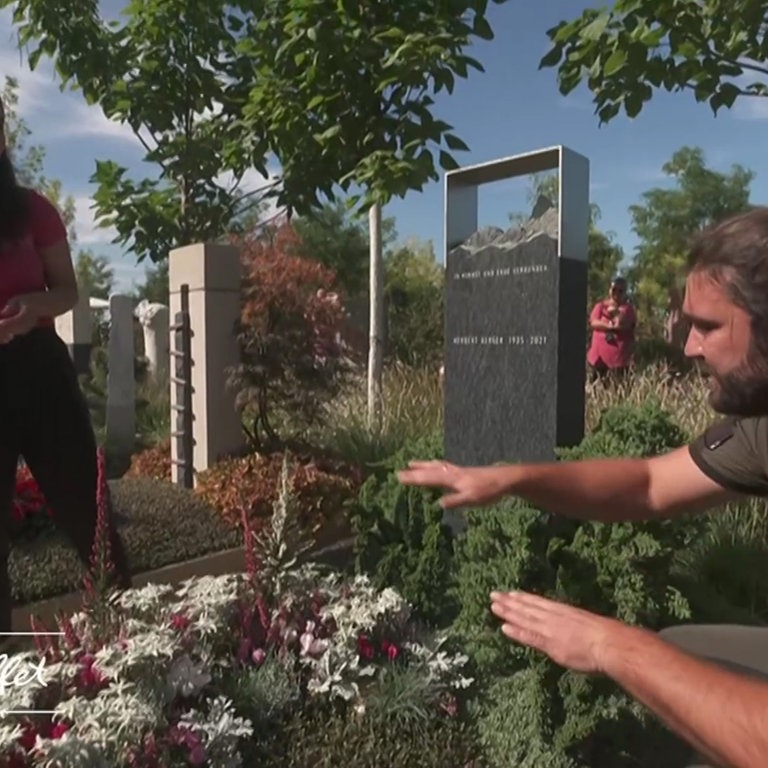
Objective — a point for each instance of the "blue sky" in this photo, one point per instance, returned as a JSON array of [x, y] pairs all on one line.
[[510, 109]]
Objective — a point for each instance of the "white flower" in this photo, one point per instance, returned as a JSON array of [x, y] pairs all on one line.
[[72, 751], [116, 717], [9, 735], [186, 677]]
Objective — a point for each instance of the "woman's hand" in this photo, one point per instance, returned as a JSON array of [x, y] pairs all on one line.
[[18, 317]]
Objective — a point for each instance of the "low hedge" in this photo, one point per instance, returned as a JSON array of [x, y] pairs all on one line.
[[160, 523]]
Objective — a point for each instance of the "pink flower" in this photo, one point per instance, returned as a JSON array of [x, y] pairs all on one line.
[[311, 645], [89, 675], [180, 621], [258, 656]]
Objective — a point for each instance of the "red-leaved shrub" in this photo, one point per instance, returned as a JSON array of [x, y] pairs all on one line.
[[252, 483], [292, 353], [30, 513], [154, 462]]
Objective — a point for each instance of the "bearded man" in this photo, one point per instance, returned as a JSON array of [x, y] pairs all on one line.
[[709, 684]]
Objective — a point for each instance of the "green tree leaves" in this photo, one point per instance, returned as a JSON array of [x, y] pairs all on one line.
[[171, 71], [667, 217], [344, 93], [338, 92], [716, 49]]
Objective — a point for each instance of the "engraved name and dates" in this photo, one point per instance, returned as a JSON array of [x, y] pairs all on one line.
[[536, 340]]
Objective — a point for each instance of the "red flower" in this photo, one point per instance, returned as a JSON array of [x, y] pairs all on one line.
[[59, 729], [365, 648], [28, 499], [390, 650], [28, 736], [180, 621], [89, 676]]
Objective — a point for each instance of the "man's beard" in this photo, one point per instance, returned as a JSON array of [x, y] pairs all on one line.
[[742, 391]]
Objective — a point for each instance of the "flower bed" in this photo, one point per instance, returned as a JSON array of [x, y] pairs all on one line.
[[285, 664], [200, 674]]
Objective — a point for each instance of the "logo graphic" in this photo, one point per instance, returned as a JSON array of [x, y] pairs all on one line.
[[18, 672]]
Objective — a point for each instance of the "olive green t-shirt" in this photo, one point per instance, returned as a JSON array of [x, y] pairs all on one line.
[[734, 453]]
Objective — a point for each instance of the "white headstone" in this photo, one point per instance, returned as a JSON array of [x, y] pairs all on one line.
[[155, 320], [75, 329], [121, 387]]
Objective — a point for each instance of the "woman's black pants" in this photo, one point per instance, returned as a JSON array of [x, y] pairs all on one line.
[[44, 418]]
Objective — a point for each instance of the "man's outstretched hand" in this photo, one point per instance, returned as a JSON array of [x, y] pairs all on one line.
[[571, 637], [464, 486]]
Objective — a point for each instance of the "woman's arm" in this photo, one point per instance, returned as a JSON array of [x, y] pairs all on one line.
[[596, 322], [62, 293]]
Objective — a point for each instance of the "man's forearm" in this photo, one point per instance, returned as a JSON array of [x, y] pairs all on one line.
[[609, 490], [722, 714]]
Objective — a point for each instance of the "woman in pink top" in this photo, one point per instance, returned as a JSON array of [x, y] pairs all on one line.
[[43, 414], [613, 322]]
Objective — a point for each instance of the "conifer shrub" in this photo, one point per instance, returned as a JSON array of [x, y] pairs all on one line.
[[553, 716], [400, 538]]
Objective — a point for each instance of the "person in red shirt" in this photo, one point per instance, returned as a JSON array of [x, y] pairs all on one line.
[[612, 322], [44, 417]]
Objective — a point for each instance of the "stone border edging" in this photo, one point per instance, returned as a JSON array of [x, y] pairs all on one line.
[[216, 564]]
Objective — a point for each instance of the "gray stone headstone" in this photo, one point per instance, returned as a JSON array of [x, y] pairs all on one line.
[[515, 338], [121, 387]]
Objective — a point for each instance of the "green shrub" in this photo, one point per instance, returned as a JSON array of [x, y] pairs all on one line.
[[630, 430], [401, 541], [623, 570], [723, 572], [504, 547], [160, 523], [327, 739], [415, 307]]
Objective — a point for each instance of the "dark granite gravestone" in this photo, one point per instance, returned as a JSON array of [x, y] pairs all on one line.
[[515, 344]]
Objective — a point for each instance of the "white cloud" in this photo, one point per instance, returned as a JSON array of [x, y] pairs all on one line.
[[50, 112], [86, 229], [751, 108], [127, 276]]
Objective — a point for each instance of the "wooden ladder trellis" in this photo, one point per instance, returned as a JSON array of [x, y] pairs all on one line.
[[181, 378]]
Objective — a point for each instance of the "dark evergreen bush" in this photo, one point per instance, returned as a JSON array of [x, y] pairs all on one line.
[[555, 717], [401, 541], [160, 523]]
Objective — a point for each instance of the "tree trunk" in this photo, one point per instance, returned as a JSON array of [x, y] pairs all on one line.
[[376, 320]]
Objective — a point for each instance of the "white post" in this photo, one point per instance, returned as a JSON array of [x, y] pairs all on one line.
[[75, 329], [376, 321], [213, 274]]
